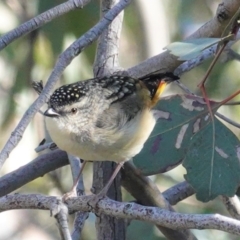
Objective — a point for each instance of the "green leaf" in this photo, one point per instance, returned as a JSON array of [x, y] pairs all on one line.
[[213, 162], [190, 49], [179, 118]]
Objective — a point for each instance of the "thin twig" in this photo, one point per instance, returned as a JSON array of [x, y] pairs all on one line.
[[228, 120], [233, 205], [80, 217], [78, 224], [62, 219], [40, 20], [232, 103], [184, 88], [178, 192]]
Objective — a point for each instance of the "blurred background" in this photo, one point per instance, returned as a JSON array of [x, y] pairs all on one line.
[[148, 27]]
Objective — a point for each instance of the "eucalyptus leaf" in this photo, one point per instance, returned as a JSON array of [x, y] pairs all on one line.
[[213, 162], [179, 118], [190, 49]]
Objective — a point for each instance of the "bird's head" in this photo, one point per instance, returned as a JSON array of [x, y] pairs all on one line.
[[69, 103]]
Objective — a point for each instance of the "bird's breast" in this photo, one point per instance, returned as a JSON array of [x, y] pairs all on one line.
[[105, 144]]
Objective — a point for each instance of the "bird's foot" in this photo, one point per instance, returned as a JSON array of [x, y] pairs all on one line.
[[93, 202], [68, 195]]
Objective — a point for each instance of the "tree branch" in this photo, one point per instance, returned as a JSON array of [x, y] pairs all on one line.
[[36, 168], [132, 211], [147, 193], [40, 20], [233, 205], [178, 193], [61, 217], [166, 62], [206, 54], [58, 158], [80, 217]]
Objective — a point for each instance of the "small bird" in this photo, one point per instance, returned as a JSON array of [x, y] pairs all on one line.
[[105, 119]]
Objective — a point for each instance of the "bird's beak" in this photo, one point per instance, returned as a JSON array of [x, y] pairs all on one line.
[[50, 112]]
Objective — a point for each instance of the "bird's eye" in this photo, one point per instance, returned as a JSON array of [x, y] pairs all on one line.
[[73, 110]]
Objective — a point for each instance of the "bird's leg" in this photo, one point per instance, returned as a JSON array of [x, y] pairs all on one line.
[[104, 191], [73, 191], [96, 198]]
